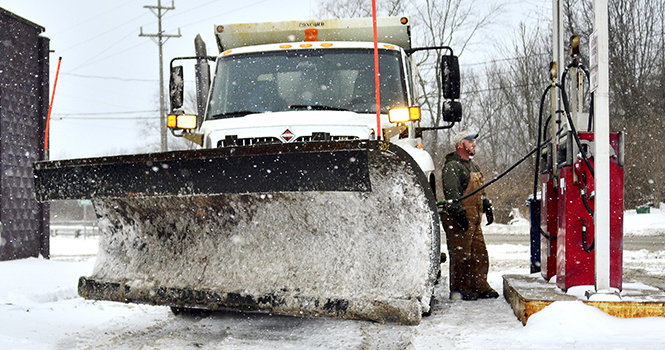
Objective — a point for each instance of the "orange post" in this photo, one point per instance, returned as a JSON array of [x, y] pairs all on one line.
[[50, 106], [376, 73]]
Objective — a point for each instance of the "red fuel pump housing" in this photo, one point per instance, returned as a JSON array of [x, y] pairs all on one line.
[[575, 258]]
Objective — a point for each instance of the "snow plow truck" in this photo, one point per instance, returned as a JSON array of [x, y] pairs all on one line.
[[306, 194]]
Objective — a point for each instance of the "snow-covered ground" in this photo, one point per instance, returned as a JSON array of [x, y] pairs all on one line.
[[40, 309]]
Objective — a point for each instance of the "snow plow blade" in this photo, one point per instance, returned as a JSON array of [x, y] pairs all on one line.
[[341, 229]]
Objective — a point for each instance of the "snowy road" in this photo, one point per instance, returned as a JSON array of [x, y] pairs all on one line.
[[486, 324], [40, 309], [649, 243]]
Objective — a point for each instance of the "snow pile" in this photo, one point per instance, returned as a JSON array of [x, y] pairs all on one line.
[[53, 281], [651, 224], [575, 325]]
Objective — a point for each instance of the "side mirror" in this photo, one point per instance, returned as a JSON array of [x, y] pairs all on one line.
[[452, 111], [202, 71], [450, 77], [176, 87]]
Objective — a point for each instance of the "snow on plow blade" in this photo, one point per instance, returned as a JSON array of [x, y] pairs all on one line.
[[339, 229]]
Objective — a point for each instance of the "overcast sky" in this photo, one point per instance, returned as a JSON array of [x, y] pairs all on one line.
[[109, 77]]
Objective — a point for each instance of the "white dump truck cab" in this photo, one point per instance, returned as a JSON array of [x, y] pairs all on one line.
[[290, 82]]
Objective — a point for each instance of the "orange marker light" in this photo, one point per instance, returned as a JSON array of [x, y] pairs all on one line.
[[285, 46], [220, 29], [172, 121], [326, 45], [414, 113], [304, 46]]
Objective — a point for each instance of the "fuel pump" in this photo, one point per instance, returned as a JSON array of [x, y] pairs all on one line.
[[575, 211], [567, 187]]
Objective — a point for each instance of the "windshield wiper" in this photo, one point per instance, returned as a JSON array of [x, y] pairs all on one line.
[[318, 108], [233, 114]]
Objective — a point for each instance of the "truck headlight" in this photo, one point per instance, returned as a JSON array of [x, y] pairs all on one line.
[[181, 121], [403, 115]]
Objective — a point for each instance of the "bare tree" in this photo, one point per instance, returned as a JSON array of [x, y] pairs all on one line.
[[452, 23], [359, 8], [637, 105], [506, 102]]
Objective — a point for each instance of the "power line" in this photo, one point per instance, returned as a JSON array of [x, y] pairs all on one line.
[[225, 13], [91, 18], [109, 56], [105, 118], [542, 84], [63, 115], [503, 59], [102, 52], [110, 78], [192, 9], [98, 35]]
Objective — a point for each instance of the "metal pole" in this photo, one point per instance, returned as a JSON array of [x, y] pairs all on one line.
[[160, 42], [602, 145], [85, 230], [558, 54], [162, 105]]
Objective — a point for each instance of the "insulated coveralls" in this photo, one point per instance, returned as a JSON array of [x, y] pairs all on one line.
[[469, 262]]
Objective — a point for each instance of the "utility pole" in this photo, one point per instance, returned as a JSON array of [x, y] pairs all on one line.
[[160, 38]]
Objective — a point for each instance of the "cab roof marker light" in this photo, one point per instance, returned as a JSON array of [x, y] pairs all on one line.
[[285, 46], [326, 45], [311, 34], [305, 46], [226, 52]]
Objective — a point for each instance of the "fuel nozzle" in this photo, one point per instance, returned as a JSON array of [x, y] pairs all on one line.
[[575, 49], [554, 72]]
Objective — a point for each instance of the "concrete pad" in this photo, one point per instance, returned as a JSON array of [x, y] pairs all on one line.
[[528, 294]]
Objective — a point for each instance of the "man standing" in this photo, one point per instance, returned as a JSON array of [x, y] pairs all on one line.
[[469, 262]]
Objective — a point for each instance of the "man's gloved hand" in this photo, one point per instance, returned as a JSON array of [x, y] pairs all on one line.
[[487, 209], [490, 215], [463, 222]]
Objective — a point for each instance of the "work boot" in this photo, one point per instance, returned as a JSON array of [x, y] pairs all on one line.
[[491, 294], [460, 296]]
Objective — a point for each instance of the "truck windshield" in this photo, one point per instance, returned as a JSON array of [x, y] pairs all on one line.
[[329, 79]]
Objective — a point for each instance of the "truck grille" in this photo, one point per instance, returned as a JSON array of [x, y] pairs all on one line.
[[250, 141], [273, 140], [332, 138]]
